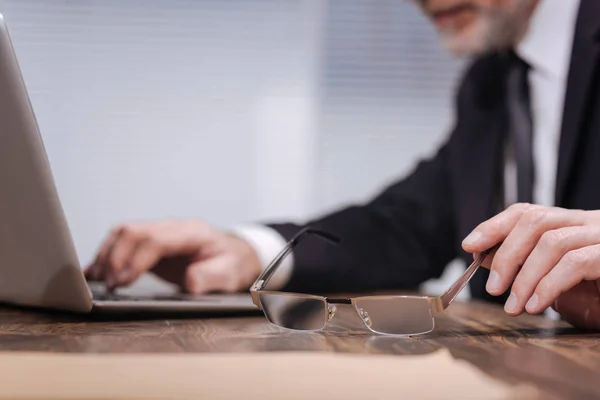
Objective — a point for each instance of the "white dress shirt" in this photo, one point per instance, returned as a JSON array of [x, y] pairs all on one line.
[[546, 47]]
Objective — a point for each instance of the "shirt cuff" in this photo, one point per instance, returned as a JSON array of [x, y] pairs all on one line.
[[268, 243]]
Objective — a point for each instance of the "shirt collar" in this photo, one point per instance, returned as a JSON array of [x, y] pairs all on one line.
[[547, 44]]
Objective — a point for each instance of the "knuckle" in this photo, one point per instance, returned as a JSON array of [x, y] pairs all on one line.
[[494, 225], [143, 235], [534, 216], [546, 285], [126, 231], [520, 207], [143, 258], [200, 228], [153, 242], [552, 239], [575, 258], [117, 228]]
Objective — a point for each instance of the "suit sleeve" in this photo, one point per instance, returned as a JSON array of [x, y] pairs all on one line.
[[399, 239], [409, 232]]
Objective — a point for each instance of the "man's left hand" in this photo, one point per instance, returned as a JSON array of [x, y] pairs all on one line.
[[550, 255]]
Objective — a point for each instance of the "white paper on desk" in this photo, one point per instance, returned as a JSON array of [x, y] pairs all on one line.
[[247, 376]]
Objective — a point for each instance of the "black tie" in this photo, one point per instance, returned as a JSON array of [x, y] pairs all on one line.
[[520, 141], [520, 125]]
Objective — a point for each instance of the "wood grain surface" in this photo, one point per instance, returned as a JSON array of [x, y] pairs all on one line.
[[562, 360]]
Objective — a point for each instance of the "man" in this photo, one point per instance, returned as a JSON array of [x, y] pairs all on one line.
[[514, 145]]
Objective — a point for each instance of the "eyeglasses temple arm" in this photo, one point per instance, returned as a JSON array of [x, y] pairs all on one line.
[[266, 275], [461, 282]]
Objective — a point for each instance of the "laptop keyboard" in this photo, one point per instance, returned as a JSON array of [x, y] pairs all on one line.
[[100, 293], [107, 296], [116, 297]]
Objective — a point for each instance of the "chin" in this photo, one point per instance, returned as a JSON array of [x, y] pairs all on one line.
[[471, 41], [489, 32]]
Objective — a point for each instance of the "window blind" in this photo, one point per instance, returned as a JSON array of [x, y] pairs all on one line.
[[387, 93]]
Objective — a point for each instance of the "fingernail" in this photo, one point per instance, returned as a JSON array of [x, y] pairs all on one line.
[[532, 303], [511, 303], [110, 281], [472, 238], [493, 283]]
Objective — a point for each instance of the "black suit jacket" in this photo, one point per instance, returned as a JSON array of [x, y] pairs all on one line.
[[414, 228]]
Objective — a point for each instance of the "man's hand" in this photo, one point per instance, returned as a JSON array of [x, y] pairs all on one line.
[[191, 254], [550, 255]]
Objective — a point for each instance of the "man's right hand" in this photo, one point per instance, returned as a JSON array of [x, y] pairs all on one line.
[[188, 253]]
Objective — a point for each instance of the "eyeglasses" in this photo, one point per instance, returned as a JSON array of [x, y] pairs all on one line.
[[382, 314]]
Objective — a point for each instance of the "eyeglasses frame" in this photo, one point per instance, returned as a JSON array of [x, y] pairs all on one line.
[[437, 304]]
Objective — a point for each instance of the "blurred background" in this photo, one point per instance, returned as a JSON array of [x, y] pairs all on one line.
[[229, 110]]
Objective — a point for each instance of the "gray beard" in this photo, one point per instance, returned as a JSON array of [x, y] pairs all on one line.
[[496, 30]]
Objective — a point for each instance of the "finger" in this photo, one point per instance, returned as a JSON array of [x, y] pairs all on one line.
[[575, 266], [94, 272], [580, 306], [522, 239], [487, 261], [106, 247], [145, 256], [120, 255], [211, 275], [495, 229], [547, 253]]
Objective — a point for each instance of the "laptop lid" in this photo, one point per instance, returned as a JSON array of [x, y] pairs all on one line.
[[38, 260]]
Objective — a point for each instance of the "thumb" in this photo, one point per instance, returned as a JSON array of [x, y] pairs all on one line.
[[211, 275]]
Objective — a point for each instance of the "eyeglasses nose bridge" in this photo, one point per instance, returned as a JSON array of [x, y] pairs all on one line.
[[331, 311]]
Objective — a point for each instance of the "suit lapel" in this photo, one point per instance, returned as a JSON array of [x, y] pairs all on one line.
[[584, 63]]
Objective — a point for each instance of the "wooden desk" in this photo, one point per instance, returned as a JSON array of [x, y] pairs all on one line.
[[551, 354]]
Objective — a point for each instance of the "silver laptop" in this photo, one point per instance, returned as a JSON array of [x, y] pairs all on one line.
[[38, 262]]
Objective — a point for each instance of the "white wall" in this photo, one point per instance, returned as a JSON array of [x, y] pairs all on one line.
[[161, 108], [229, 110]]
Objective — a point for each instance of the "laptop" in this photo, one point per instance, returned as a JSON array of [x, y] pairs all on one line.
[[39, 266]]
